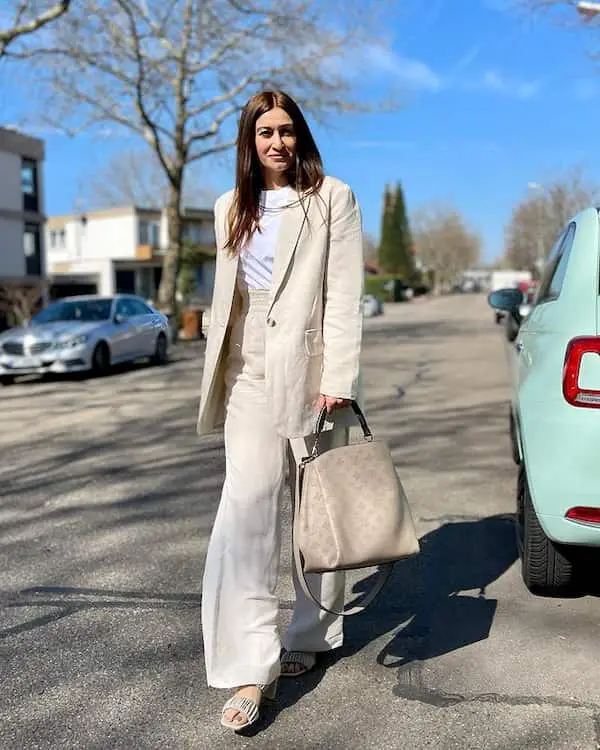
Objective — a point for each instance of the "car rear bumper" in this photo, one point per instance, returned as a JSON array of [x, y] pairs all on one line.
[[563, 470], [564, 531]]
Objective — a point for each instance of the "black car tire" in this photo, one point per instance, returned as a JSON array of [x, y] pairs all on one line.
[[101, 359], [7, 379], [512, 328], [514, 438], [161, 352], [547, 568]]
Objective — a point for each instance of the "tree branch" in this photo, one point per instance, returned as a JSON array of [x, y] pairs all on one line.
[[150, 129], [217, 148], [23, 29]]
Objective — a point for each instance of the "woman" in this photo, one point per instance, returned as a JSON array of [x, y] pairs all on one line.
[[284, 341]]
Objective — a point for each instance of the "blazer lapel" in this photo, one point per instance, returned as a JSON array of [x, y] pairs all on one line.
[[227, 287], [226, 270], [293, 225]]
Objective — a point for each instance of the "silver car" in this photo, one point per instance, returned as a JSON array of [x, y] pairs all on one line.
[[77, 334]]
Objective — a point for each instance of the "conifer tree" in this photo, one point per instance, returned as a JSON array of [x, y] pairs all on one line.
[[395, 246]]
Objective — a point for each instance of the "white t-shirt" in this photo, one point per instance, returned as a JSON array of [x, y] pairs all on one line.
[[256, 258]]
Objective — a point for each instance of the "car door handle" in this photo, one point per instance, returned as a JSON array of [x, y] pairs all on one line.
[[519, 346]]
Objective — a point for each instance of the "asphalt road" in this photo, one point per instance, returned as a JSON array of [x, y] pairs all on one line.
[[107, 499]]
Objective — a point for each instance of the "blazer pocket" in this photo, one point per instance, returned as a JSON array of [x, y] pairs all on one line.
[[313, 342]]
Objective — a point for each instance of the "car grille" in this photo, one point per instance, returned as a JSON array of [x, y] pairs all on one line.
[[13, 347], [39, 347], [17, 349]]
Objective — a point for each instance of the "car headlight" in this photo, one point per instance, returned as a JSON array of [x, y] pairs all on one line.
[[76, 341]]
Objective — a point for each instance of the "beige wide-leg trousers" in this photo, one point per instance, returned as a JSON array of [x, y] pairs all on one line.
[[239, 606]]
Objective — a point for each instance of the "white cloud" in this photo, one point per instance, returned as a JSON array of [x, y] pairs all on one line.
[[519, 89], [414, 75], [466, 60], [410, 73], [417, 75]]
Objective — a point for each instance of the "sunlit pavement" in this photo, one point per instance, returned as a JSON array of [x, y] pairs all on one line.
[[106, 505]]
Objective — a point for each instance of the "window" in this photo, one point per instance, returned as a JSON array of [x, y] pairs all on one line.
[[130, 308], [199, 234], [123, 309], [144, 234], [148, 233], [82, 311], [556, 268], [138, 307], [32, 250], [125, 281], [29, 185], [207, 234], [57, 239], [192, 233]]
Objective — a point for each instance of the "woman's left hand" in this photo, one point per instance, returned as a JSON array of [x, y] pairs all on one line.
[[332, 402]]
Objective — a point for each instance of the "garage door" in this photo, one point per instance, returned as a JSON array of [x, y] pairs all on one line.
[[71, 289]]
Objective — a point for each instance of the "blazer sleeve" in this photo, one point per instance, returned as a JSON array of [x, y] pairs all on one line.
[[343, 290]]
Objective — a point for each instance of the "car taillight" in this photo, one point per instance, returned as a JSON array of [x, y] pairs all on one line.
[[574, 395], [583, 514]]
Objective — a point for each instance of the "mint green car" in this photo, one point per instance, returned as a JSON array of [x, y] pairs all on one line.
[[554, 422]]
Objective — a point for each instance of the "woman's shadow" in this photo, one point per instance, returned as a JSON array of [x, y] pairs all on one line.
[[425, 598], [422, 604]]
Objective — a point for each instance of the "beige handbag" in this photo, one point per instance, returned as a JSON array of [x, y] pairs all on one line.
[[350, 511]]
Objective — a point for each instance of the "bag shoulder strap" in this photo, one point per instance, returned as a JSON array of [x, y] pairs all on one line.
[[383, 573]]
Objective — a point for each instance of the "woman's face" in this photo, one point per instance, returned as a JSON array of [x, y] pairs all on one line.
[[275, 141]]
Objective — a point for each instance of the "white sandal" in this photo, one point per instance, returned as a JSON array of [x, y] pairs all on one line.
[[247, 707], [306, 659]]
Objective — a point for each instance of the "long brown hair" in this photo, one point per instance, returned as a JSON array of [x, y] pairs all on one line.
[[306, 175]]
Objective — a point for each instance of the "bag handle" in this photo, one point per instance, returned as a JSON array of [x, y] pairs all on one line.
[[384, 571], [368, 435]]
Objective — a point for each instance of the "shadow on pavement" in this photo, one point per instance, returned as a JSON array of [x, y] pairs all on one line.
[[68, 600], [423, 603], [465, 556]]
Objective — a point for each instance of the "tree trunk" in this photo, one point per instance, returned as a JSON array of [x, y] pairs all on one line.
[[167, 293]]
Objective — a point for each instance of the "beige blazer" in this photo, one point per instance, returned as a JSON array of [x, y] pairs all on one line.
[[314, 319]]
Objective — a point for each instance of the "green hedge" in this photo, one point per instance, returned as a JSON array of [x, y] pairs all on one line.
[[374, 284]]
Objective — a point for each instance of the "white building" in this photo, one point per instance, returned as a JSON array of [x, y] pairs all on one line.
[[121, 250], [21, 207]]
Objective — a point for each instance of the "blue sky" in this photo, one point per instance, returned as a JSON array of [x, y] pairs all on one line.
[[493, 99]]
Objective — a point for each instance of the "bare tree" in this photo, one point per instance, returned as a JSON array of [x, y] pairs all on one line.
[[177, 72], [370, 248], [537, 220], [30, 16], [19, 301], [444, 243], [136, 178]]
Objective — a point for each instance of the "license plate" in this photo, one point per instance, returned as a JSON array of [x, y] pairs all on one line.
[[24, 363]]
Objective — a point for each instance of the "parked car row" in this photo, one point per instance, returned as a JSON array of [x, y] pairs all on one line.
[[92, 334], [513, 321], [554, 420], [80, 334]]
